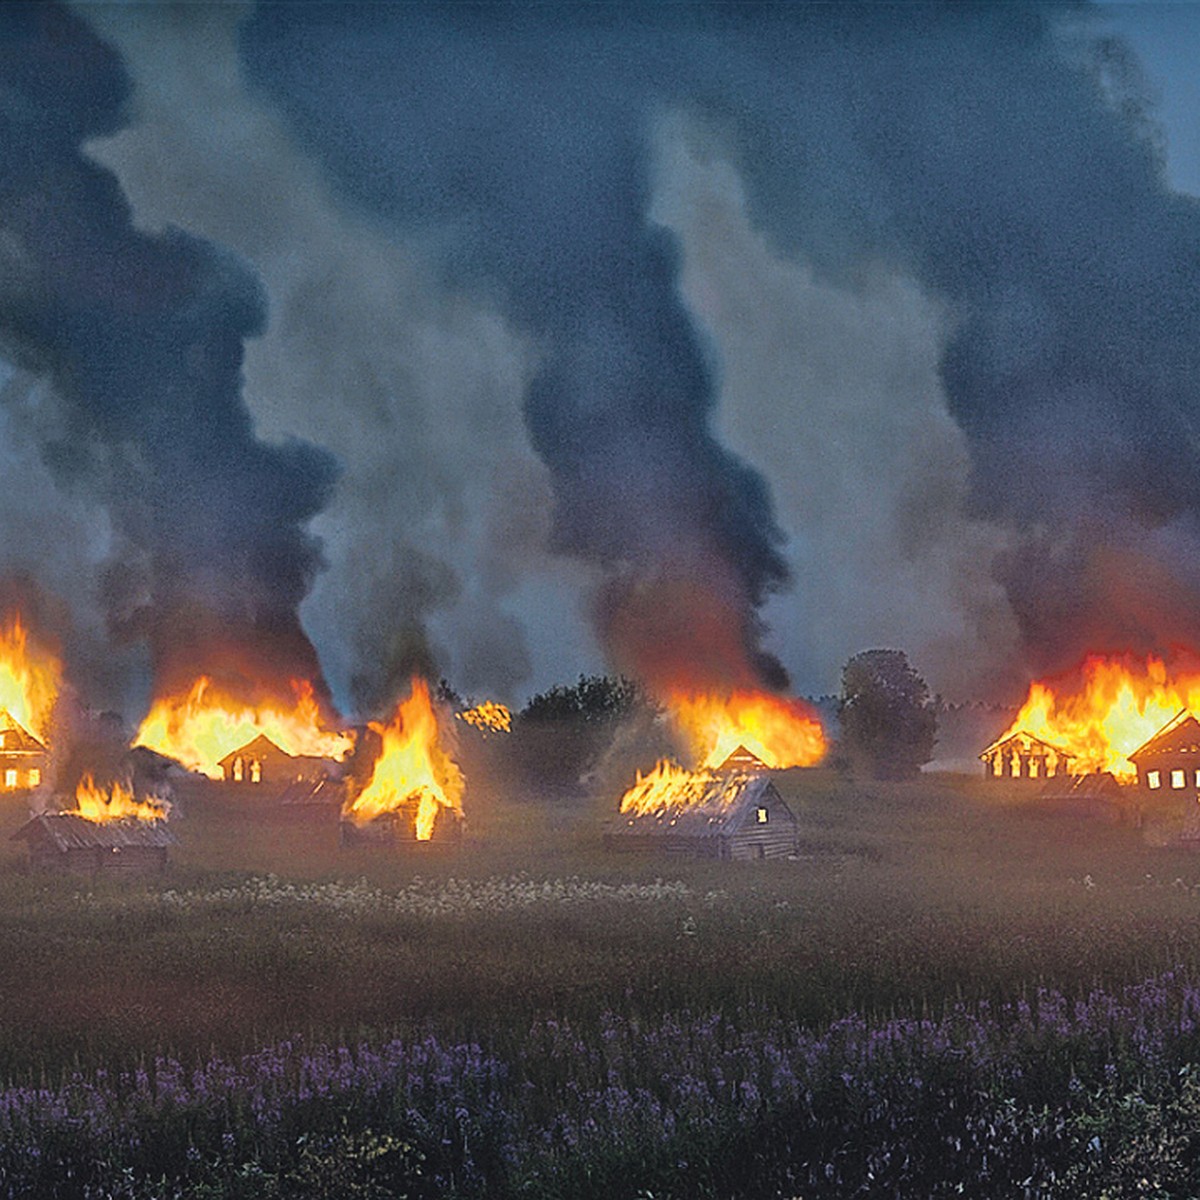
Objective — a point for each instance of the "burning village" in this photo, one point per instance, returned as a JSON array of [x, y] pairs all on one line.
[[599, 601]]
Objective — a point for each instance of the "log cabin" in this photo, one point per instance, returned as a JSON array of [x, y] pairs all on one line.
[[22, 756], [741, 816], [262, 761], [68, 842], [1020, 755]]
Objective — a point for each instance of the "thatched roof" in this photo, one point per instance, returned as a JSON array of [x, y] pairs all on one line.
[[15, 738], [728, 802], [70, 831], [1180, 735]]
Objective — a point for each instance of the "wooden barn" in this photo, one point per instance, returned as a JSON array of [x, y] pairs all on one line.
[[68, 842], [1097, 795], [399, 829], [740, 816], [1020, 755], [22, 756], [1170, 760], [262, 761]]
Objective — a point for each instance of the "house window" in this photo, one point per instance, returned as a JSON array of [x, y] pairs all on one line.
[[1198, 778], [1033, 768], [1178, 778], [762, 816], [3, 741], [255, 771], [238, 770], [10, 779], [35, 776], [997, 765], [1153, 780]]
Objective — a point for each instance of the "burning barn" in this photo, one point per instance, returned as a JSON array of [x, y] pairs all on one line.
[[68, 841], [1020, 755], [109, 831], [22, 756], [314, 799], [704, 814]]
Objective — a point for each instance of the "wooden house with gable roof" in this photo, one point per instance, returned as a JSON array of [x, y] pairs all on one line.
[[739, 816], [1021, 755], [262, 761], [22, 756], [1170, 760]]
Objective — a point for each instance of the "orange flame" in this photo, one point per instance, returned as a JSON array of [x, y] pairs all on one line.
[[412, 768], [669, 786], [488, 717], [780, 730], [30, 678], [98, 804], [202, 726], [1106, 711]]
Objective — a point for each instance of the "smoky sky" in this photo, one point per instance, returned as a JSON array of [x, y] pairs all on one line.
[[1000, 155], [141, 340], [471, 215]]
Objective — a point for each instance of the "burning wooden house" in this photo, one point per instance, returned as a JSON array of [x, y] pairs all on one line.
[[743, 760], [22, 756], [262, 761], [1096, 794], [109, 831], [704, 814], [1170, 760], [1020, 755], [314, 799]]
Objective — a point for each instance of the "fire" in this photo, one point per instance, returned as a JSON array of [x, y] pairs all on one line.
[[202, 726], [412, 767], [488, 717], [99, 804], [780, 730], [30, 678], [669, 786], [1108, 709]]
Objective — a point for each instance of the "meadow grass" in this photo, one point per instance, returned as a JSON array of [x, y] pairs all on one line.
[[913, 903]]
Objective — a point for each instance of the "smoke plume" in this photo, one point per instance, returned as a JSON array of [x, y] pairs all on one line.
[[141, 341]]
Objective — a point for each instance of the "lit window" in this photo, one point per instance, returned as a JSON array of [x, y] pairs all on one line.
[[35, 776], [762, 816], [1033, 768], [237, 770], [1153, 779], [1016, 767], [997, 765], [1178, 778], [1198, 778], [10, 779], [255, 771], [3, 740]]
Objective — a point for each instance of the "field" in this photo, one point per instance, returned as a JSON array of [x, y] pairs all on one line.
[[949, 990]]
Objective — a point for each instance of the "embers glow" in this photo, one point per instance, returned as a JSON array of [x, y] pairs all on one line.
[[412, 770], [780, 730], [1111, 706], [114, 802], [669, 786], [202, 726], [488, 717], [30, 678]]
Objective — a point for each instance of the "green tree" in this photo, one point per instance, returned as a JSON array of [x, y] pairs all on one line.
[[888, 717]]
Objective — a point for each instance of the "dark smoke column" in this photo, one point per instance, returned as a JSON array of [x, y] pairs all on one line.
[[519, 137], [142, 339]]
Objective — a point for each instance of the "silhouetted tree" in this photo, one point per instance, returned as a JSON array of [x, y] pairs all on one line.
[[594, 698], [888, 717]]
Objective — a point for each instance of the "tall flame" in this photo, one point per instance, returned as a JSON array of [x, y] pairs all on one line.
[[30, 678], [780, 730], [1111, 706], [412, 768], [99, 804], [200, 727]]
